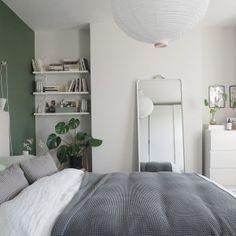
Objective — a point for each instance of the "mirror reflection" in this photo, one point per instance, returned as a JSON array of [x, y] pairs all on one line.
[[160, 124]]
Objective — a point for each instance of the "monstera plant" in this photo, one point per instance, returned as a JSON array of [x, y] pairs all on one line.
[[70, 143]]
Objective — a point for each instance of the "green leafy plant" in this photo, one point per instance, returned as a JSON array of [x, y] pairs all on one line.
[[213, 110], [28, 145], [69, 142], [234, 105]]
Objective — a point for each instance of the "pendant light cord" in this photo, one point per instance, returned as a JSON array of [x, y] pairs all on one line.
[[4, 66]]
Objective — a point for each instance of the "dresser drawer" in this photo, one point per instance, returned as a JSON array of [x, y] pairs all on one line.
[[225, 177], [223, 159], [223, 140]]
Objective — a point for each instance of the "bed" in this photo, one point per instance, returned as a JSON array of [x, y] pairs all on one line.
[[71, 202]]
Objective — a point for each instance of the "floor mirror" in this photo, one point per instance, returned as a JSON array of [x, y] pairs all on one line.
[[160, 122]]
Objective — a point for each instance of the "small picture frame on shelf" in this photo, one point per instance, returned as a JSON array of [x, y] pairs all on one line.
[[216, 96], [232, 96]]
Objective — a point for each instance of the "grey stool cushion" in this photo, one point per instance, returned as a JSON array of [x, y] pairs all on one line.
[[12, 181], [38, 167], [156, 166]]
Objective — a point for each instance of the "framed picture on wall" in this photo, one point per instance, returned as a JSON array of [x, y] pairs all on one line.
[[216, 96], [232, 96]]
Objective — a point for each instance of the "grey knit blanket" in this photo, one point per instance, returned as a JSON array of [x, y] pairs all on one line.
[[148, 204]]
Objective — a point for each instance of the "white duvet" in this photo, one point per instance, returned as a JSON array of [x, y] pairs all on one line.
[[34, 211]]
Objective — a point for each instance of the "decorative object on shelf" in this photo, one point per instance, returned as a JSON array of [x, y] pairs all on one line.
[[233, 120], [232, 96], [229, 125], [52, 107], [27, 146], [73, 148], [217, 101], [158, 21]]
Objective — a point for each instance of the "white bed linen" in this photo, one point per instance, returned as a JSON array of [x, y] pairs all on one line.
[[34, 211]]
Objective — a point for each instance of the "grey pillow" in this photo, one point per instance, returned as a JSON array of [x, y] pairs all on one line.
[[38, 167], [12, 181]]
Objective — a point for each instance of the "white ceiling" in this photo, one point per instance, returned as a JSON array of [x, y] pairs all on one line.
[[61, 14]]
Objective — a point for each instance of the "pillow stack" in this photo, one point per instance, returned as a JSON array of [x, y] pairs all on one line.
[[17, 177], [38, 167]]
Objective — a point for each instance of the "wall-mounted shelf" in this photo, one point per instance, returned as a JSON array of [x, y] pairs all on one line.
[[63, 114], [59, 72], [60, 93]]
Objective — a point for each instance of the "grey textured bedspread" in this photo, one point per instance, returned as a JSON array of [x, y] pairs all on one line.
[[143, 204]]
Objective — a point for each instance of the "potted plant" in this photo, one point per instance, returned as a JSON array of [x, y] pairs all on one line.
[[27, 146], [213, 110], [71, 144]]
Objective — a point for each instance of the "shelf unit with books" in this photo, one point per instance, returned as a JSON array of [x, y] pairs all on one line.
[[61, 92]]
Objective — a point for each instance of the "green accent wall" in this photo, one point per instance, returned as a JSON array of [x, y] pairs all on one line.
[[17, 48]]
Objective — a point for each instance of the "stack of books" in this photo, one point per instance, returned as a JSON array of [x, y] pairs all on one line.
[[51, 88], [70, 65], [55, 67]]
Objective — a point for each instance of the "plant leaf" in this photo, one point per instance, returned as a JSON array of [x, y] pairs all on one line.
[[80, 136], [206, 103], [53, 141], [74, 123], [62, 153], [61, 128], [95, 142]]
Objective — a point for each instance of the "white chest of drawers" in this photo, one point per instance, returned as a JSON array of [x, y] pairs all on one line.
[[220, 157]]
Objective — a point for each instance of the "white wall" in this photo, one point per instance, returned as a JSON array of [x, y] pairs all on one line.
[[219, 65], [117, 62]]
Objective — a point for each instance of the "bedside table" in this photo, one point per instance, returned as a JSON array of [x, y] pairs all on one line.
[[220, 157]]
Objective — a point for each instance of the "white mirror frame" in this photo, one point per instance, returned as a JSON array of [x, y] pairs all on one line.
[[138, 123]]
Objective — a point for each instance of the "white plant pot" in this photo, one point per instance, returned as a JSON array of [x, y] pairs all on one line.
[[25, 153], [2, 103]]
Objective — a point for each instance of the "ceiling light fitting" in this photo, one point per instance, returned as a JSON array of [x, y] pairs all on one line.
[[158, 22]]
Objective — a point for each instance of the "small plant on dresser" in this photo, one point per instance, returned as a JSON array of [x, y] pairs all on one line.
[[213, 110], [71, 145]]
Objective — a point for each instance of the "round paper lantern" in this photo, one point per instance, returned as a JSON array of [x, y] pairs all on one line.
[[158, 21], [145, 106]]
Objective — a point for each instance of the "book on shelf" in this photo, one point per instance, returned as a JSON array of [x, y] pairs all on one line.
[[38, 65], [55, 67], [83, 105], [77, 85], [84, 64], [50, 88]]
